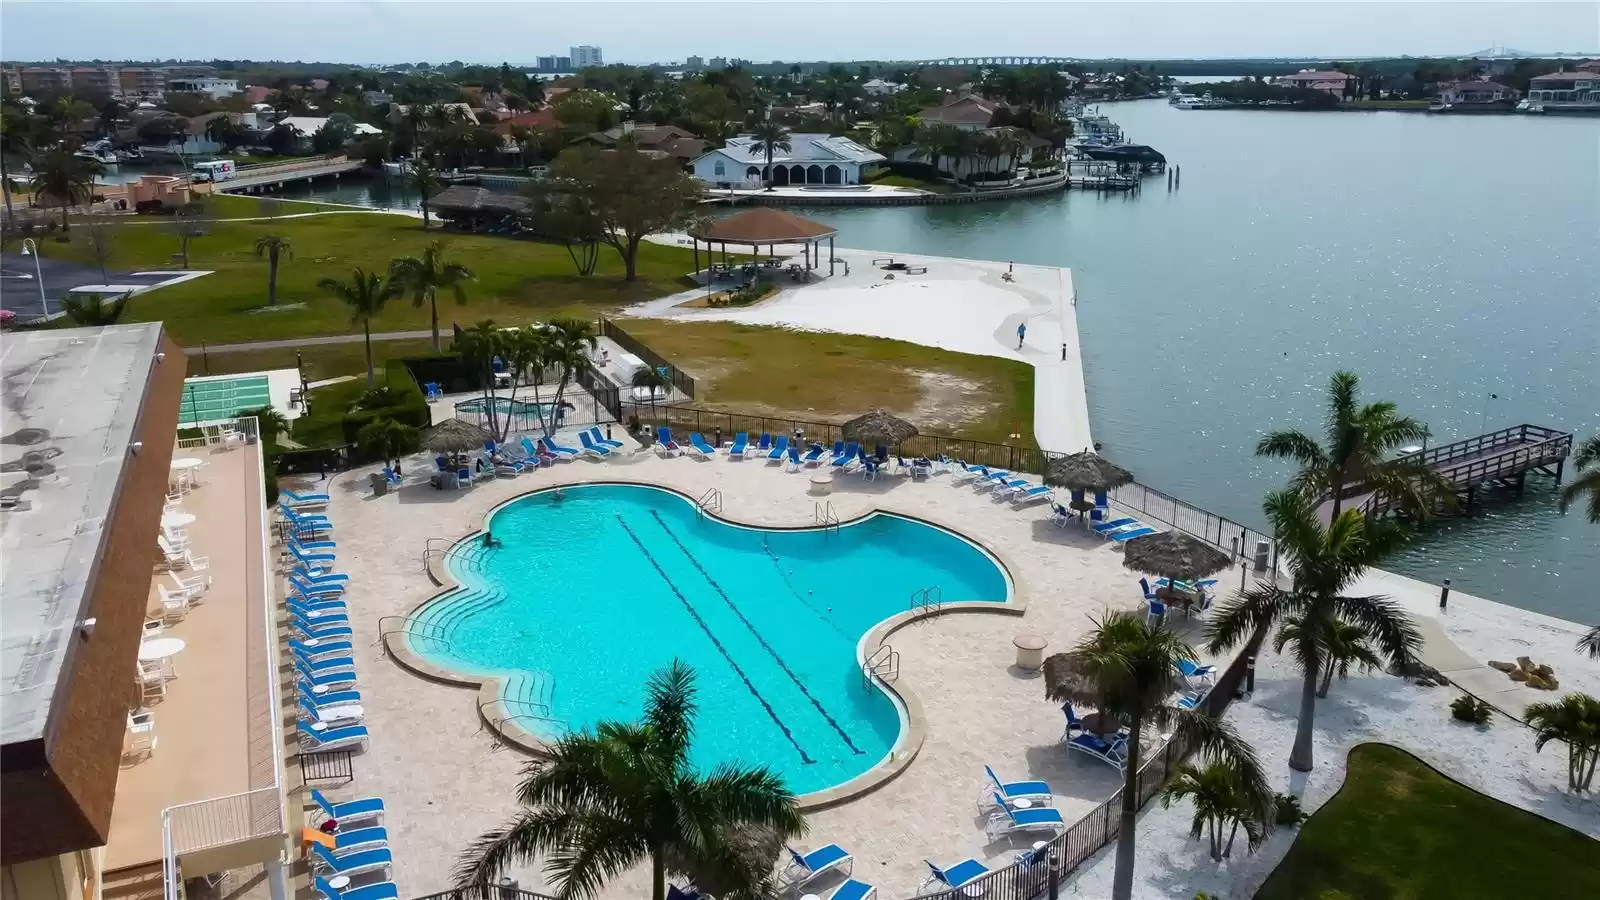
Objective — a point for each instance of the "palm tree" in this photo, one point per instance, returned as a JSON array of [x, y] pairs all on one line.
[[66, 178], [606, 800], [650, 377], [269, 422], [1325, 561], [92, 310], [571, 342], [1574, 720], [1346, 645], [770, 137], [1587, 465], [424, 276], [423, 179], [1590, 643], [1218, 803], [365, 293], [274, 247], [1131, 664], [386, 439], [1359, 441], [478, 346]]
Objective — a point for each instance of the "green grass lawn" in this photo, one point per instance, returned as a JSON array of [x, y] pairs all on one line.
[[320, 360], [517, 281], [1398, 829], [817, 376], [906, 181]]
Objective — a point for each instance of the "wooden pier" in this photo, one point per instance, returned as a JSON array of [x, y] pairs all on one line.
[[1499, 458]]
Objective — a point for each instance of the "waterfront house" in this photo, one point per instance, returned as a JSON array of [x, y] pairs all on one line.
[[877, 87], [1461, 95], [810, 159], [670, 140], [1328, 82], [1592, 65], [968, 112], [1564, 92], [256, 93], [306, 127]]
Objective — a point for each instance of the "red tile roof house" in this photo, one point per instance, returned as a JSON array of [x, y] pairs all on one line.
[[968, 112], [1472, 92], [1327, 82]]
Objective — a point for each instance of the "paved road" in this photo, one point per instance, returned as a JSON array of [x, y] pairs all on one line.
[[311, 341], [19, 284]]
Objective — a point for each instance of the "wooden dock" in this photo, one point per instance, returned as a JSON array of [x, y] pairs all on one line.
[[1499, 458]]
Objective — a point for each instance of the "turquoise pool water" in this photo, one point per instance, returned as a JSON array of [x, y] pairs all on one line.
[[594, 591]]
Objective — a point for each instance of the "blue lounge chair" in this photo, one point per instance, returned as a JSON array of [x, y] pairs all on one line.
[[697, 443], [741, 443], [1113, 753], [554, 449], [315, 591], [814, 455], [322, 631], [1144, 585], [1131, 533], [328, 664], [383, 890], [780, 449], [591, 448], [303, 501], [376, 859], [1074, 724], [869, 467], [298, 517], [332, 738], [329, 679], [802, 867], [853, 890], [1031, 494], [848, 457], [965, 473], [1193, 672], [316, 610], [307, 557], [1113, 525], [664, 443], [602, 440], [337, 715], [1032, 791], [1155, 612], [957, 876], [1032, 819], [996, 479], [391, 476], [349, 810], [1191, 700], [328, 698], [320, 576], [764, 445], [1201, 585], [357, 839]]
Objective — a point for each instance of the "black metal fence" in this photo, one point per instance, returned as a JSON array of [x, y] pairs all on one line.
[[498, 893], [606, 397], [327, 765], [321, 460], [1238, 539], [680, 380]]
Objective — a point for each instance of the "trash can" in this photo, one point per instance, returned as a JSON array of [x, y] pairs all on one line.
[[1263, 552], [380, 485], [1030, 651]]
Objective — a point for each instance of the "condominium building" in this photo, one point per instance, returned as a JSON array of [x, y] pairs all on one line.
[[545, 63], [218, 88], [695, 63], [142, 83], [585, 56], [11, 81], [46, 78]]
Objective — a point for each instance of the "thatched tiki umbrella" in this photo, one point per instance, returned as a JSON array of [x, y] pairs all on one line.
[[747, 870], [1086, 471], [1067, 680], [455, 436], [1176, 556], [878, 427]]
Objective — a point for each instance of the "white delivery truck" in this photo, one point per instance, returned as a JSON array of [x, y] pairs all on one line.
[[215, 170]]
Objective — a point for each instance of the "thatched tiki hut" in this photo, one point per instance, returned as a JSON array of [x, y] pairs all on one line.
[[1086, 471], [1175, 556], [878, 427], [455, 436], [477, 207]]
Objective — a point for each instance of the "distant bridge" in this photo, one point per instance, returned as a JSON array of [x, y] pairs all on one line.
[[997, 61], [273, 174]]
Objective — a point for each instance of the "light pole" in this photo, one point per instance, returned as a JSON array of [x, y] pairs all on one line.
[[1484, 420], [29, 248]]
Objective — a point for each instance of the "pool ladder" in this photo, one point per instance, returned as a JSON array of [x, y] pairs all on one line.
[[413, 627], [883, 664], [823, 514], [709, 502], [927, 600]]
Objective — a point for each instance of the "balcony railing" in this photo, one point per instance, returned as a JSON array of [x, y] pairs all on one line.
[[224, 820]]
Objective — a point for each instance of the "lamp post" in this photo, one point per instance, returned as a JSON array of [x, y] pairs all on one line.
[[29, 248], [1484, 421]]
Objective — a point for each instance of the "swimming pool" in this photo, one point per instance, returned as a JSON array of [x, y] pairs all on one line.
[[593, 591]]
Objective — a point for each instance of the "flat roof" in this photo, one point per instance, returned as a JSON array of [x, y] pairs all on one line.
[[71, 403]]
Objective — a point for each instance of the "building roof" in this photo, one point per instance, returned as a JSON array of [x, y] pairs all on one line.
[[966, 109], [73, 399], [1557, 77], [255, 93], [803, 148], [310, 125], [1472, 86], [763, 225], [470, 198], [539, 118], [1316, 75]]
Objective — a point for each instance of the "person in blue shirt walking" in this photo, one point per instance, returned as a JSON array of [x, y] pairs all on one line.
[[1022, 333]]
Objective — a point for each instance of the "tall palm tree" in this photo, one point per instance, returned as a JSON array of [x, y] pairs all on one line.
[[424, 276], [650, 377], [1219, 803], [1131, 664], [478, 345], [1575, 721], [606, 800], [1324, 561], [1345, 646], [770, 137], [274, 247], [1359, 440], [570, 343], [93, 310], [68, 179], [365, 293], [1586, 464], [423, 179]]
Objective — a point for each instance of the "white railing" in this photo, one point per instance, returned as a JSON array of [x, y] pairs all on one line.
[[257, 813]]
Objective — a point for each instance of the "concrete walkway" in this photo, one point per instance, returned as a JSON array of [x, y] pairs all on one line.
[[324, 339]]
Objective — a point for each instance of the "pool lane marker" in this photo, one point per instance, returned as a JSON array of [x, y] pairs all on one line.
[[747, 624], [777, 563], [804, 756]]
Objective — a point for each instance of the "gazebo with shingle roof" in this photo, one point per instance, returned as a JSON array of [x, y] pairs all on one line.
[[765, 227]]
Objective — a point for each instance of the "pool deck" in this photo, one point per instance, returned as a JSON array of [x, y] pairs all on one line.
[[445, 781]]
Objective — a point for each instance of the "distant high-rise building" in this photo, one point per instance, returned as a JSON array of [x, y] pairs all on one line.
[[546, 64], [695, 63], [563, 64], [585, 56], [718, 62]]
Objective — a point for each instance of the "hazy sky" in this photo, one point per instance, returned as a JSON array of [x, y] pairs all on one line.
[[377, 31]]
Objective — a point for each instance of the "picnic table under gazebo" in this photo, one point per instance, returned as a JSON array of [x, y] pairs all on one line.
[[764, 227]]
